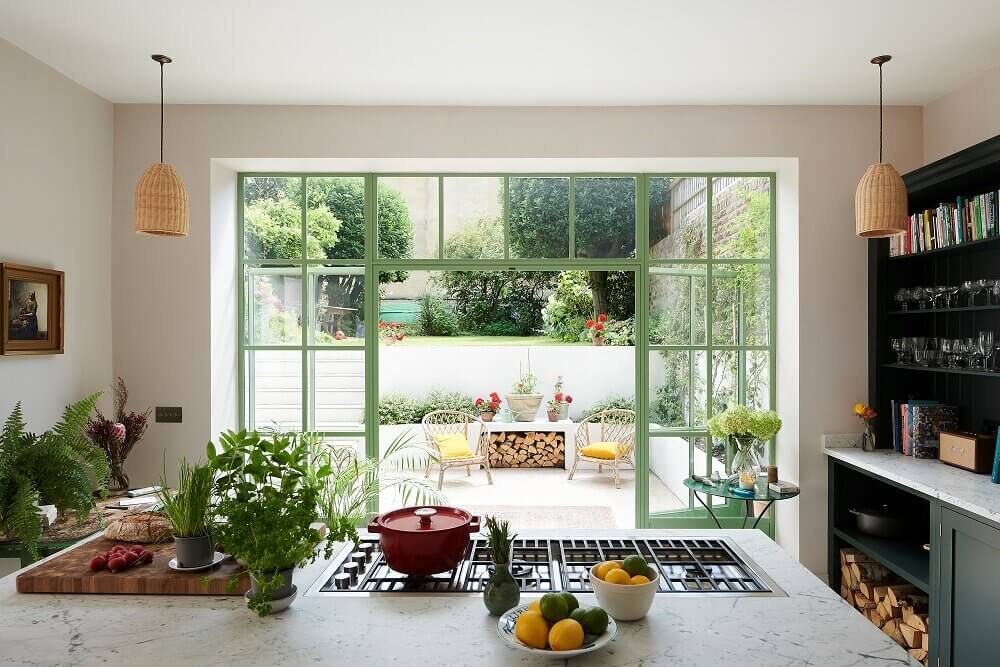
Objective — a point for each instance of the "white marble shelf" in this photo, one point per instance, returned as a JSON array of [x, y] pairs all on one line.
[[39, 629], [966, 490]]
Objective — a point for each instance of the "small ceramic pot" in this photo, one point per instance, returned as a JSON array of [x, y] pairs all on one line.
[[553, 415], [599, 341], [487, 416], [194, 551], [282, 592]]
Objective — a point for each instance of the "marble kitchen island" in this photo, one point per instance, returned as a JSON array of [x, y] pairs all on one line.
[[811, 626]]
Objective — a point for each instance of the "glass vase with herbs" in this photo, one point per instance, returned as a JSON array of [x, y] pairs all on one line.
[[501, 592]]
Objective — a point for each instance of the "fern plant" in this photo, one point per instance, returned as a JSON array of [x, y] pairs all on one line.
[[59, 467]]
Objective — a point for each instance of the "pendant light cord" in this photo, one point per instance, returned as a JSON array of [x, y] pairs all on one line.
[[161, 111], [879, 113]]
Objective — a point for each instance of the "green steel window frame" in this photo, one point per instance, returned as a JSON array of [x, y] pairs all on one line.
[[641, 264]]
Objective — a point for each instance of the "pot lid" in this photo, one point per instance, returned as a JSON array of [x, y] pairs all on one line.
[[425, 519]]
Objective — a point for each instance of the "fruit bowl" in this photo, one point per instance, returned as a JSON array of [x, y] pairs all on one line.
[[591, 643], [625, 602]]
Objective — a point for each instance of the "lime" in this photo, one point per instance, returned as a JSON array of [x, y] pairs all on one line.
[[635, 565], [571, 602], [595, 621], [579, 614], [554, 607]]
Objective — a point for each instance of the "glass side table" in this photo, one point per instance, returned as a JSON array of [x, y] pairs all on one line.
[[722, 490]]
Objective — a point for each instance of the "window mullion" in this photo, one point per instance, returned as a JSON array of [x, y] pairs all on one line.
[[305, 315], [505, 213], [572, 216]]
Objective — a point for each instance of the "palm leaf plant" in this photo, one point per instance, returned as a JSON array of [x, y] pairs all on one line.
[[60, 467], [353, 484]]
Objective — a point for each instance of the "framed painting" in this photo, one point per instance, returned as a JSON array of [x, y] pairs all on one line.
[[31, 310]]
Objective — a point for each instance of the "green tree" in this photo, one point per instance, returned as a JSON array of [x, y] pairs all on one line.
[[274, 229]]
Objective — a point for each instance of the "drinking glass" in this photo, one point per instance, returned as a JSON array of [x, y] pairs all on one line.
[[968, 347], [986, 347], [897, 347], [948, 350], [940, 296], [922, 357], [907, 349], [903, 297], [968, 288], [995, 293], [953, 296], [974, 353], [936, 357], [919, 343]]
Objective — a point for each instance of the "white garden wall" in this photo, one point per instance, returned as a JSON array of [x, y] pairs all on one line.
[[590, 374]]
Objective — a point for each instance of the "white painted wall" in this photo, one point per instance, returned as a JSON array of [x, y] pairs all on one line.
[[55, 186], [821, 335], [965, 116]]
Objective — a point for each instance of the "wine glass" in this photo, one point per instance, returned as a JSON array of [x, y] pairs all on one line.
[[968, 347], [903, 297], [907, 349], [897, 347], [995, 293], [986, 347], [922, 357], [948, 350], [940, 299], [952, 299], [968, 288]]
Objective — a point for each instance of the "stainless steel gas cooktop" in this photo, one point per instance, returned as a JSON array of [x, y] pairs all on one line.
[[687, 566]]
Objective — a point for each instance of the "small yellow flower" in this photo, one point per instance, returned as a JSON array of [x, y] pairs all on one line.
[[859, 409]]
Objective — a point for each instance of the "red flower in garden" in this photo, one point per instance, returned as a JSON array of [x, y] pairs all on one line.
[[602, 318], [599, 326], [590, 324]]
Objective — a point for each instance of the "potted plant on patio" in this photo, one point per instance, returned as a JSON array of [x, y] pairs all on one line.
[[597, 329], [391, 332], [523, 401], [269, 500], [487, 409], [558, 406], [187, 510]]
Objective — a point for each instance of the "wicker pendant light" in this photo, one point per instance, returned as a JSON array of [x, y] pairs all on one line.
[[161, 202], [880, 201]]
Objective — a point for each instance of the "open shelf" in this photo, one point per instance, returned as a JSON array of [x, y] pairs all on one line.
[[950, 248], [907, 559], [962, 309], [938, 369]]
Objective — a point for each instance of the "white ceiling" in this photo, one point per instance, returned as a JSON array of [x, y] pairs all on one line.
[[516, 52]]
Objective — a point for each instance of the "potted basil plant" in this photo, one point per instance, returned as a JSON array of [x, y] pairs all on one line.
[[188, 512], [268, 498]]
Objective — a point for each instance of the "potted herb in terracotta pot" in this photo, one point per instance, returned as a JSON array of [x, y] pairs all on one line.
[[487, 409], [187, 510], [523, 401], [558, 405], [597, 329], [269, 499]]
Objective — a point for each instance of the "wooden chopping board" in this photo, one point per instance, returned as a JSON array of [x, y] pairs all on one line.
[[67, 573]]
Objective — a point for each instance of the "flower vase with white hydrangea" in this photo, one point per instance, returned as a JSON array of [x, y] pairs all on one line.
[[745, 431]]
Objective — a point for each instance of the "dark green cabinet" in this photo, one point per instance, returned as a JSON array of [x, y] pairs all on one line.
[[968, 614]]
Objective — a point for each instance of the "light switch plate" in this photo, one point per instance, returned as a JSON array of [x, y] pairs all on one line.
[[166, 415]]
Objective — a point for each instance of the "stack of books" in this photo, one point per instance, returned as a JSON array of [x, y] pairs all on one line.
[[951, 223], [917, 426]]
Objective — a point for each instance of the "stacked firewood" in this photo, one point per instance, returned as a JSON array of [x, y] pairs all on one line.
[[897, 608], [527, 449]]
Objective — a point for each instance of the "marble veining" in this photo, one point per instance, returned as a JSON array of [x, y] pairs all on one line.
[[812, 626], [966, 490]]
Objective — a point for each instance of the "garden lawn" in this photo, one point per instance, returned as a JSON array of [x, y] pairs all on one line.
[[473, 341]]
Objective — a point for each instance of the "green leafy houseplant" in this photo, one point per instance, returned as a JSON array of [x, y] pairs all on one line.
[[352, 484], [59, 467], [268, 499]]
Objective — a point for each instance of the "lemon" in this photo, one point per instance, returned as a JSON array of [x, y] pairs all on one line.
[[535, 606], [634, 565], [603, 568], [531, 629], [638, 579], [566, 635], [617, 576], [553, 607]]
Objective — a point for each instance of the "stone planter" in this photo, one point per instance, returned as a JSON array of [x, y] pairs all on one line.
[[598, 341], [194, 551], [553, 415], [524, 407]]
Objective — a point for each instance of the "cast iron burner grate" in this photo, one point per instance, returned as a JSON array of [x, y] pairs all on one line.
[[686, 565]]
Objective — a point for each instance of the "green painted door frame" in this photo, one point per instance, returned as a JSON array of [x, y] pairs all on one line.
[[641, 264]]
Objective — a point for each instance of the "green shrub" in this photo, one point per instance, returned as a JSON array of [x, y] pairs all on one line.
[[610, 403], [446, 400], [436, 317], [569, 307], [398, 408], [620, 332]]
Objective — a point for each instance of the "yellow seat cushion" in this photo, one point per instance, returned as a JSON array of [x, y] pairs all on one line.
[[453, 446], [601, 450]]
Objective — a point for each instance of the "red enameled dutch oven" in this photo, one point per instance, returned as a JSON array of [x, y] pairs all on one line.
[[419, 541]]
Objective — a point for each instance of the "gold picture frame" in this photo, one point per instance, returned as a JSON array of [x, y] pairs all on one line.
[[32, 309]]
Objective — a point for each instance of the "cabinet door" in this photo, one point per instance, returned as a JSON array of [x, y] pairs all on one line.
[[970, 592]]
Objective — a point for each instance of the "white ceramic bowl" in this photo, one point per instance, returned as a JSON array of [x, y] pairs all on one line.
[[505, 628], [625, 602]]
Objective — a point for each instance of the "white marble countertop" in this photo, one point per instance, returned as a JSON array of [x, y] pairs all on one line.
[[811, 626], [967, 490]]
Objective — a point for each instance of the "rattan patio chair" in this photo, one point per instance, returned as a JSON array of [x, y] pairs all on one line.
[[618, 429], [448, 422]]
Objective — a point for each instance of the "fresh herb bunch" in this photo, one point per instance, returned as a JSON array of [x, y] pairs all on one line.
[[740, 421], [59, 467], [268, 498], [188, 508], [526, 384], [350, 488], [499, 539]]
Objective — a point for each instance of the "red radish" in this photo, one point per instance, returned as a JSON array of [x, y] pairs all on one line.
[[117, 563], [130, 557], [97, 563], [147, 556]]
